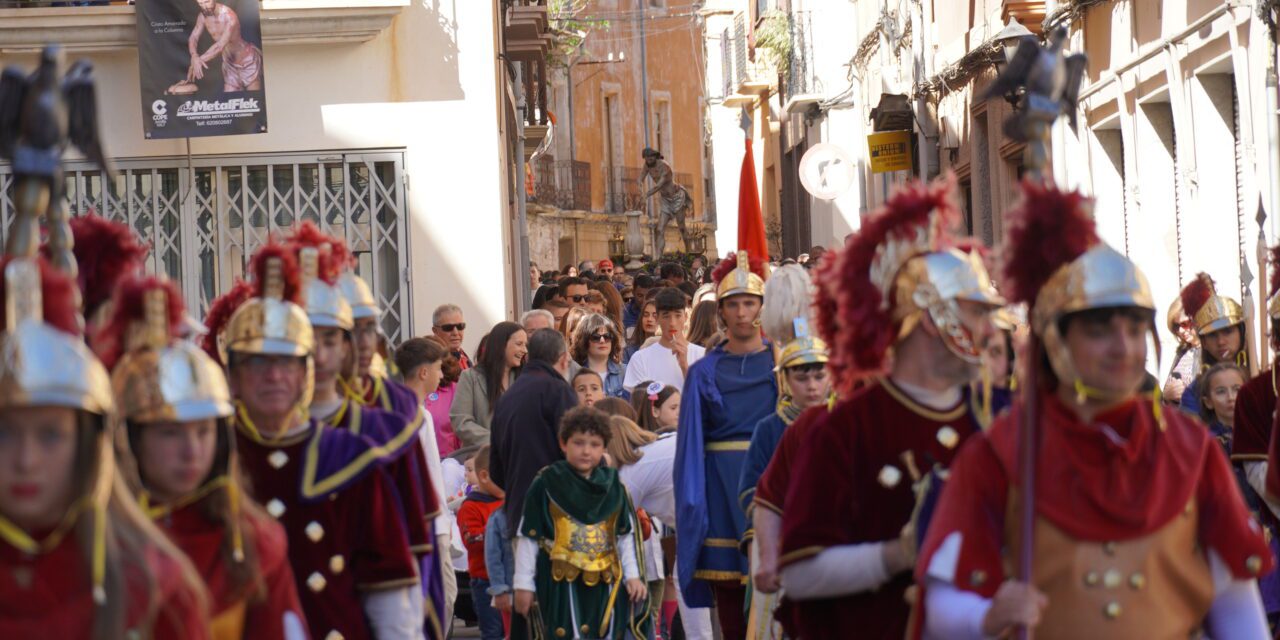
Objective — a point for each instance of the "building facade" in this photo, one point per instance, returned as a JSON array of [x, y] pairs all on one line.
[[390, 124], [631, 80]]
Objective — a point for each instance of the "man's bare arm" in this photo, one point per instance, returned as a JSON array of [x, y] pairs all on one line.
[[194, 39], [230, 29]]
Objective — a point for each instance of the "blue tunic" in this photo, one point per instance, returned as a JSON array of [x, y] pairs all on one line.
[[763, 443], [725, 396]]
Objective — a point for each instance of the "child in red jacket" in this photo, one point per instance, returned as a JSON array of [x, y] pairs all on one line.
[[485, 498]]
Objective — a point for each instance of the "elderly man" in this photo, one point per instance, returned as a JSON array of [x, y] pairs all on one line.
[[448, 325], [537, 319]]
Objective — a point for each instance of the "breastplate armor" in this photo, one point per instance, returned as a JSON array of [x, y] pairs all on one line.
[[1157, 586], [585, 550]]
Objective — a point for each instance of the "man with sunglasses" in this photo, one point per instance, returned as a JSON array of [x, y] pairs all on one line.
[[574, 291], [448, 325]]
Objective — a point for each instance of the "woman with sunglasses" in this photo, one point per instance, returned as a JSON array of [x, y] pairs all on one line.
[[597, 345]]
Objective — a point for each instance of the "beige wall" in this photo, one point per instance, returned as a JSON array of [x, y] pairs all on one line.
[[427, 85]]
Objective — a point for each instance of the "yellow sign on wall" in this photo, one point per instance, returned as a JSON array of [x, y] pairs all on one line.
[[890, 151]]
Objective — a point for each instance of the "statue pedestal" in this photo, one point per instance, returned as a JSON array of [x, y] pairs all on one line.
[[635, 242]]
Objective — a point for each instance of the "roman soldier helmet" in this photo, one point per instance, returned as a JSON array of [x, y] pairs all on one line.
[[902, 264], [739, 274], [1057, 264], [272, 322], [322, 259], [158, 378], [1209, 312], [358, 295], [44, 362]]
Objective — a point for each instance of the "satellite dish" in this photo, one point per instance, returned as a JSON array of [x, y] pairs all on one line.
[[827, 171]]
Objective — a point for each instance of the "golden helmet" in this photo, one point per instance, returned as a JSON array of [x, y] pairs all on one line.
[[358, 295], [42, 364], [1209, 311], [160, 378], [935, 283], [741, 280], [805, 348], [270, 324], [325, 304], [1100, 278]]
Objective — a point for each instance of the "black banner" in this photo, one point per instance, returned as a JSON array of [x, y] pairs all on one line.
[[218, 90]]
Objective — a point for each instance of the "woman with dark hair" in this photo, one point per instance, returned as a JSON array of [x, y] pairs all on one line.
[[646, 327], [480, 387], [597, 345]]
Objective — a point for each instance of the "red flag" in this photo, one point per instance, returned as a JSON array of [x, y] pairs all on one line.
[[751, 236]]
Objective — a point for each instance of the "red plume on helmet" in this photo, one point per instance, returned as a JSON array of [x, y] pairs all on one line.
[[129, 307], [1196, 294], [852, 314], [1048, 228], [335, 257], [105, 252], [220, 312], [289, 269], [57, 295], [730, 262]]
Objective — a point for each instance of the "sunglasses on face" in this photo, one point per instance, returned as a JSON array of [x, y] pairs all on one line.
[[577, 298], [450, 328], [601, 337]]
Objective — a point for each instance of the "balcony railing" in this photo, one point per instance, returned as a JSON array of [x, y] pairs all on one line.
[[564, 184], [624, 191], [800, 76]]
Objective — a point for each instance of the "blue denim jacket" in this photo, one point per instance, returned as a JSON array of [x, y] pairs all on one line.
[[613, 382], [499, 558]]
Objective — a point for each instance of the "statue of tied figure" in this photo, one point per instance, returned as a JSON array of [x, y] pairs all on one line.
[[673, 202]]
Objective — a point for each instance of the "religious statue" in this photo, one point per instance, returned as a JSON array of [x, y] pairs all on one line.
[[673, 202], [241, 60]]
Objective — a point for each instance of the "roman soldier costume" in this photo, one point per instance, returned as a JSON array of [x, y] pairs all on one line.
[[347, 539], [1211, 313], [1138, 531], [322, 260], [852, 492], [238, 550], [372, 387], [785, 320], [725, 396]]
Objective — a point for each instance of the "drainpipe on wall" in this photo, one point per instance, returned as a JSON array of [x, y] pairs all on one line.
[[522, 220]]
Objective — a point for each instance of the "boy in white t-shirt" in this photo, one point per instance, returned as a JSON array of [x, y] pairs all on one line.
[[668, 359]]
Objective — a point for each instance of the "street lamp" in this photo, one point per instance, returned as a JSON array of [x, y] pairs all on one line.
[[1010, 38]]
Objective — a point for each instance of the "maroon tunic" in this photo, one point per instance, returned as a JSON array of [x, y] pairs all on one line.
[[260, 609], [49, 595], [1255, 411], [340, 513], [852, 486]]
